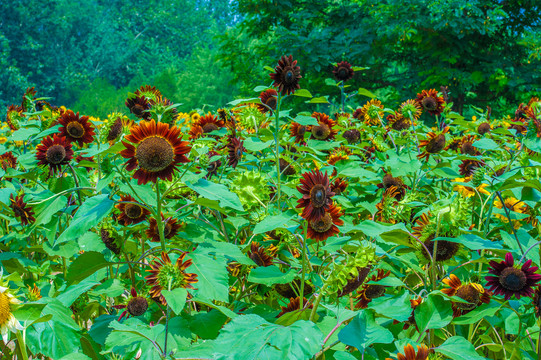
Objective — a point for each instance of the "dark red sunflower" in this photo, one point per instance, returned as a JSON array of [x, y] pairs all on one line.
[[339, 185], [131, 213], [21, 210], [165, 275], [8, 161], [294, 304], [433, 144], [352, 136], [151, 93], [509, 280], [409, 353], [466, 145], [115, 130], [388, 181], [326, 226], [286, 76], [110, 241], [324, 130], [137, 305], [235, 149], [475, 294], [268, 98], [483, 128], [260, 255], [170, 228], [468, 166], [343, 71], [158, 151], [445, 250], [368, 292], [286, 168], [537, 301], [398, 122], [316, 195], [76, 129], [297, 130], [204, 125], [354, 282], [430, 101], [139, 107], [54, 152]]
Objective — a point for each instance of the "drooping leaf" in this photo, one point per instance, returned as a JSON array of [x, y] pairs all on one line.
[[363, 331], [458, 348], [270, 275], [85, 265], [219, 192], [433, 313]]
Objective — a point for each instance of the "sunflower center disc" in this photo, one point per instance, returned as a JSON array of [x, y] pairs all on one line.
[[5, 309], [115, 131], [289, 76], [374, 291], [323, 224], [271, 102], [19, 211], [302, 130], [133, 211], [154, 154], [257, 258], [138, 110], [318, 195], [470, 294], [55, 154], [137, 306], [75, 129], [209, 127], [429, 103], [436, 145], [512, 279], [342, 73], [166, 229], [321, 132], [467, 148]]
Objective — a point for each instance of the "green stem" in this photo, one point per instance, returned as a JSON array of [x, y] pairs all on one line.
[[22, 346], [318, 300], [342, 97], [159, 215], [277, 149], [76, 184], [301, 295]]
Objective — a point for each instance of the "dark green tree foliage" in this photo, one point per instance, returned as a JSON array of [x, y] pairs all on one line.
[[482, 49]]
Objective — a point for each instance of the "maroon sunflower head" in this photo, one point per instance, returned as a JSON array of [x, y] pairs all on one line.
[[76, 128], [430, 101], [21, 210], [136, 306], [270, 99], [294, 304], [475, 295], [483, 128], [339, 185], [8, 161], [509, 280], [151, 93], [368, 292], [204, 125], [326, 226], [14, 116], [468, 166], [130, 213], [343, 71], [235, 149], [170, 228], [54, 152], [165, 275], [260, 255], [156, 152], [324, 129], [139, 106], [297, 130], [286, 76], [352, 136], [433, 144], [316, 195]]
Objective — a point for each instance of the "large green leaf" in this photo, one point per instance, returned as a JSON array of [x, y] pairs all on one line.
[[458, 348], [176, 299], [398, 307], [270, 275], [218, 192], [433, 313], [212, 276], [363, 331], [273, 222], [85, 265]]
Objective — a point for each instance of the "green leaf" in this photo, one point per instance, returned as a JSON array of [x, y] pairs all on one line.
[[53, 339], [255, 144], [218, 192], [483, 311], [433, 313], [252, 337], [212, 276], [88, 215], [474, 242], [111, 288], [305, 120], [486, 144], [272, 223], [458, 348], [302, 93], [260, 88], [244, 101], [364, 92], [176, 299], [270, 275], [23, 134], [319, 100], [363, 331], [220, 308], [71, 293], [85, 265], [397, 307]]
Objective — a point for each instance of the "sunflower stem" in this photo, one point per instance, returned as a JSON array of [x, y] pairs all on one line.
[[76, 179], [277, 149], [342, 97], [316, 304], [159, 215], [539, 345], [22, 346], [301, 295]]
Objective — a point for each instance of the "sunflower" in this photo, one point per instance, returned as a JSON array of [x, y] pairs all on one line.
[[445, 250], [21, 210], [54, 152], [468, 166], [110, 241], [353, 283], [260, 255], [430, 101], [316, 195], [34, 293], [165, 275], [157, 152], [467, 191], [297, 130], [352, 136], [339, 185], [411, 107], [509, 280], [8, 322], [290, 290], [137, 305], [170, 228], [205, 125], [76, 129], [358, 113], [343, 71], [235, 149], [268, 101], [326, 226], [466, 145], [286, 168], [475, 295], [368, 292], [286, 76], [388, 181], [14, 116], [536, 300], [151, 93], [213, 166], [130, 213], [386, 208], [8, 161], [324, 130], [372, 112], [398, 122], [294, 304], [28, 96], [483, 128], [512, 204], [409, 353], [433, 144], [139, 106], [114, 128]]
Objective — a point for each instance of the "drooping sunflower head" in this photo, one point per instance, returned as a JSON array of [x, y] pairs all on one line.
[[291, 290], [433, 144], [235, 149], [398, 122], [316, 195], [508, 280], [28, 97], [114, 127], [352, 136], [54, 152], [8, 161], [171, 227], [251, 118], [343, 71], [21, 210], [287, 168], [294, 304], [431, 102], [260, 255], [326, 226], [269, 100], [14, 116], [297, 131], [466, 145], [156, 152], [165, 275], [76, 128], [325, 128], [139, 106], [130, 213], [151, 93], [110, 239], [373, 112], [368, 292], [411, 108], [483, 128], [468, 166], [475, 295], [286, 76]]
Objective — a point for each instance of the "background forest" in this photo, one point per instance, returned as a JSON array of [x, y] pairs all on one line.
[[88, 55]]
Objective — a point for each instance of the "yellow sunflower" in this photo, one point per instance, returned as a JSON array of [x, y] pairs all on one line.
[[8, 322], [513, 205]]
